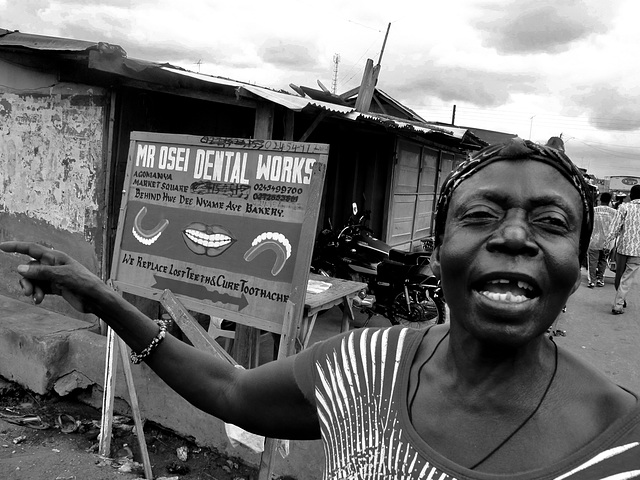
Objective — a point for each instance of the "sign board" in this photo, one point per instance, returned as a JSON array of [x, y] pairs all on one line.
[[218, 222], [623, 184]]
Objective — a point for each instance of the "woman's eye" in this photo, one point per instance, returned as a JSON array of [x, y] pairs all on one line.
[[553, 221], [479, 215]]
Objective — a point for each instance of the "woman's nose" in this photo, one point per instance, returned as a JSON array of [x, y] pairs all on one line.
[[513, 237]]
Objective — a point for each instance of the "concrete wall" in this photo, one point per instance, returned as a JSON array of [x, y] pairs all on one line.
[[51, 165]]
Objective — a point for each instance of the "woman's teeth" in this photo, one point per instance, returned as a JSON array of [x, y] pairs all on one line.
[[520, 283], [504, 297]]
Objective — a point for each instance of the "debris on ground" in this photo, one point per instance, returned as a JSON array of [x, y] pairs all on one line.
[[33, 425], [182, 453]]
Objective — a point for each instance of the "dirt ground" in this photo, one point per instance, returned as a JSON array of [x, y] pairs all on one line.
[[34, 445]]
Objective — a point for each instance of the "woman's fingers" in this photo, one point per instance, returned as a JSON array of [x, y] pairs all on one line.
[[33, 290], [35, 280], [51, 272], [25, 248], [38, 294], [44, 255], [27, 287]]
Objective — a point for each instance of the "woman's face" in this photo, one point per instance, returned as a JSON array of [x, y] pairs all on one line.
[[508, 260]]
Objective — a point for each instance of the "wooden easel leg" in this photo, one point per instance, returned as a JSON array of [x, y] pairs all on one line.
[[266, 460], [286, 348], [106, 419], [135, 409], [106, 422], [245, 345]]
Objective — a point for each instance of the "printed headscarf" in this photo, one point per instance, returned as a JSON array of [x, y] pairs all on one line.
[[519, 149]]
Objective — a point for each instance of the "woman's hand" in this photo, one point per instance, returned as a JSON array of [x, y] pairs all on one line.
[[51, 272]]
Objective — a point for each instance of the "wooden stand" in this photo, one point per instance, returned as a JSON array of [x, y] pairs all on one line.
[[252, 295], [113, 345], [201, 340]]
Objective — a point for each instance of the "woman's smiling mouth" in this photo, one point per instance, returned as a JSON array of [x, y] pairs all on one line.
[[508, 291]]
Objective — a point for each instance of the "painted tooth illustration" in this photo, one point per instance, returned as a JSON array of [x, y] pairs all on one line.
[[147, 237], [209, 240], [270, 241]]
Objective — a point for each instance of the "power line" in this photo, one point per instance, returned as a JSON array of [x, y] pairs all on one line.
[[608, 152], [591, 142], [543, 119], [470, 116], [365, 26], [526, 114], [356, 64]]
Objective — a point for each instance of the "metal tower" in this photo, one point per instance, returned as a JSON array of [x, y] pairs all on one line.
[[334, 81]]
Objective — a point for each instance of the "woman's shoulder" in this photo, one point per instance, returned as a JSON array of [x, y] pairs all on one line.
[[364, 345], [370, 336], [584, 386]]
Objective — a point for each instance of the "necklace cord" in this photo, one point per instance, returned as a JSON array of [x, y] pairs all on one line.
[[529, 417], [526, 420], [413, 397]]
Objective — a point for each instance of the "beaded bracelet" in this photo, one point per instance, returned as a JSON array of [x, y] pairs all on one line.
[[138, 357]]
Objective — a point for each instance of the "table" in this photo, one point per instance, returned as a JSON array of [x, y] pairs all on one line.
[[341, 292]]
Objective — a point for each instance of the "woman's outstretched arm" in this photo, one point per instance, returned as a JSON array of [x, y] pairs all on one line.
[[265, 400]]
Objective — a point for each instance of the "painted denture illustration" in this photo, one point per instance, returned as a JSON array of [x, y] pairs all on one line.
[[209, 240], [147, 237], [270, 241]]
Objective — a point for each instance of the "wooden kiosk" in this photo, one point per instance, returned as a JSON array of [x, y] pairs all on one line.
[[219, 226]]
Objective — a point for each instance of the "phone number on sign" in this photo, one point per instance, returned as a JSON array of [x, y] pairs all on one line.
[[277, 193]]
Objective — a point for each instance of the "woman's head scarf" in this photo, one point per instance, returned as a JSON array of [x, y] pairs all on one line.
[[519, 149]]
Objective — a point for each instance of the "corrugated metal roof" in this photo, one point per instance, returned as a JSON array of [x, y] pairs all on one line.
[[399, 105], [42, 42], [287, 100], [298, 103], [205, 78], [293, 102], [423, 127]]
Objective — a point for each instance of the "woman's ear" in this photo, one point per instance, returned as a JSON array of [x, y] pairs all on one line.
[[435, 262], [577, 283]]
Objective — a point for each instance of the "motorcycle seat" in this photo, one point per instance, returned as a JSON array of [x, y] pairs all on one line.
[[408, 258]]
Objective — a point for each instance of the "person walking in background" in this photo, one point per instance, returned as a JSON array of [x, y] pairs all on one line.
[[626, 229], [603, 216]]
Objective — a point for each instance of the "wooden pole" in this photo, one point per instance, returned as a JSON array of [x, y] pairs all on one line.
[[135, 409], [366, 88], [384, 43], [106, 419]]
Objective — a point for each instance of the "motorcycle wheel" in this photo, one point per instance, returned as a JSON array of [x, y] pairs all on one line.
[[420, 315]]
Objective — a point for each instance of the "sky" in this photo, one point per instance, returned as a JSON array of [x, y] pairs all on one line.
[[533, 68]]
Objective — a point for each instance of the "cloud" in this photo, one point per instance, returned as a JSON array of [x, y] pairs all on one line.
[[112, 24], [454, 83], [288, 54], [609, 109], [544, 26]]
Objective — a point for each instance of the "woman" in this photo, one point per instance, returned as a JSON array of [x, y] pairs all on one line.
[[487, 394]]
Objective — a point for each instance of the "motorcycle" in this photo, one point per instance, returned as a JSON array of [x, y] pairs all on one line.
[[401, 286], [407, 292], [353, 253]]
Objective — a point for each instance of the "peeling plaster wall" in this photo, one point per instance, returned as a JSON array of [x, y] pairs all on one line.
[[51, 165], [51, 152]]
